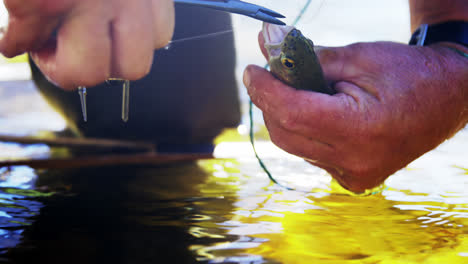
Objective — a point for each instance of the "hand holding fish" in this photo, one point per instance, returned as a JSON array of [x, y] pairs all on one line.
[[393, 103], [84, 42]]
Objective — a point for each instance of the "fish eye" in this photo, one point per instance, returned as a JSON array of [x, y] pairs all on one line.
[[288, 63]]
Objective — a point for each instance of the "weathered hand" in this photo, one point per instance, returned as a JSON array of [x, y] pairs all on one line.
[[394, 103], [94, 39]]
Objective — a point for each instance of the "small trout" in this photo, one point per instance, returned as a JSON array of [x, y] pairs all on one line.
[[292, 59]]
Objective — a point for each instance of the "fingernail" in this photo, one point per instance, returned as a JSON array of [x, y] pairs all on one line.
[[51, 81], [2, 32], [246, 77]]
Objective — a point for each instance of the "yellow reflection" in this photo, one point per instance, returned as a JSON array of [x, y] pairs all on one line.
[[361, 230], [18, 59], [465, 170], [327, 226], [200, 232]]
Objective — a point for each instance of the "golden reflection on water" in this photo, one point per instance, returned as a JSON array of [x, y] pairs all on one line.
[[327, 225], [369, 229]]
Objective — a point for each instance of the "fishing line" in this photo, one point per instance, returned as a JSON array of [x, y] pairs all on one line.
[[251, 134], [214, 34], [301, 13]]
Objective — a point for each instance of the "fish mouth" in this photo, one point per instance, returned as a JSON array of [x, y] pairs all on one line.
[[274, 36]]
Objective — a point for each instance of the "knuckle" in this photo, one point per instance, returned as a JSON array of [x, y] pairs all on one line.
[[327, 55], [275, 136], [12, 47], [290, 118], [353, 182], [93, 79], [275, 139], [10, 52], [362, 176], [43, 7], [281, 143], [133, 67], [62, 81], [285, 144], [163, 38], [70, 78], [164, 23], [359, 170], [371, 131], [52, 7], [137, 72], [365, 127]]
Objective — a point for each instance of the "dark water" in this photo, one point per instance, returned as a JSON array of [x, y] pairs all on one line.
[[107, 216]]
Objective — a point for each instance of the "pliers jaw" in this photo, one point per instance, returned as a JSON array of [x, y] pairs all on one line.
[[238, 7]]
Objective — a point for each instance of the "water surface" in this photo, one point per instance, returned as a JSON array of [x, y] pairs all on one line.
[[227, 211]]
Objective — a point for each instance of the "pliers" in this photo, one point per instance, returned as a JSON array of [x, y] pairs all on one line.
[[232, 6], [238, 7]]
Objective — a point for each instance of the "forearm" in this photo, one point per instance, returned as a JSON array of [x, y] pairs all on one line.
[[435, 11]]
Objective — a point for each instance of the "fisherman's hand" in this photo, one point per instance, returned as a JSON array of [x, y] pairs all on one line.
[[393, 103], [95, 39]]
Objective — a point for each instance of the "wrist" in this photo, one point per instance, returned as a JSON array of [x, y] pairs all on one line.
[[450, 40], [456, 60], [455, 32], [453, 80], [457, 48], [437, 11], [456, 72]]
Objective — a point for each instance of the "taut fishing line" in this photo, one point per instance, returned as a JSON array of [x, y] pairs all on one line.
[[214, 34], [251, 134]]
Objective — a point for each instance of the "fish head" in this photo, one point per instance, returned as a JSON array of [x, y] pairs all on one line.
[[292, 58], [286, 48]]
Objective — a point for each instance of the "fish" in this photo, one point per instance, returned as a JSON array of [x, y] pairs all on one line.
[[292, 59]]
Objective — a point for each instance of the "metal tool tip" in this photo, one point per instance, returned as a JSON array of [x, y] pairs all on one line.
[[268, 18], [271, 12], [125, 100], [82, 92]]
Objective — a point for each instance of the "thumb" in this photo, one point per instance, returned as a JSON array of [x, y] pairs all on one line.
[[261, 43], [336, 62]]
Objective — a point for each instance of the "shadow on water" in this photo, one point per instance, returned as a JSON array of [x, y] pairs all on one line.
[[119, 215]]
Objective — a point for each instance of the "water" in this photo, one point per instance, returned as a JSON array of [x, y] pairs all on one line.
[[226, 210]]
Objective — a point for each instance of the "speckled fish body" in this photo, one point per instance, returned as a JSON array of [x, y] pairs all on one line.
[[292, 59]]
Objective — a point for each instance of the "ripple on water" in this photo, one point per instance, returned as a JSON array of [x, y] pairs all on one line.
[[406, 223], [17, 204]]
